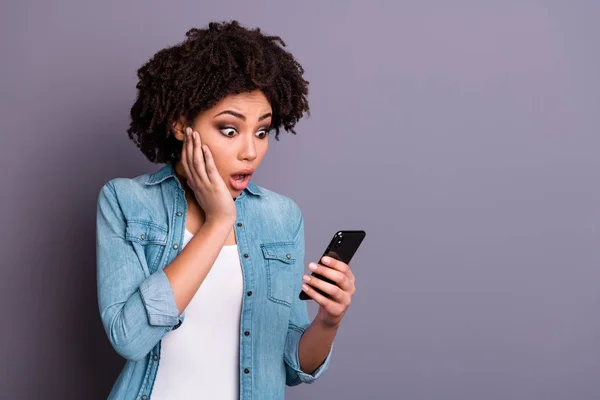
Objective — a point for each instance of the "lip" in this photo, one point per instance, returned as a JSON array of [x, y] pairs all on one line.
[[241, 185], [247, 171]]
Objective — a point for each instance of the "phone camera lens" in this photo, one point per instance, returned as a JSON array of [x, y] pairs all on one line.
[[338, 240]]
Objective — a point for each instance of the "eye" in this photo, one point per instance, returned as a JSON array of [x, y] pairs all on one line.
[[263, 133], [227, 131]]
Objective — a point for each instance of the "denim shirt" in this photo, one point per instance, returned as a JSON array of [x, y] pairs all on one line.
[[140, 230]]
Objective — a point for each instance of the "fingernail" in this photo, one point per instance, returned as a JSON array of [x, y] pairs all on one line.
[[312, 266], [304, 287], [188, 130], [306, 278], [326, 260]]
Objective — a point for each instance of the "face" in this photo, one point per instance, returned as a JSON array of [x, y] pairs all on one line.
[[236, 132]]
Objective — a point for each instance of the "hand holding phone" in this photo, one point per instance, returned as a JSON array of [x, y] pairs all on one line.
[[342, 247]]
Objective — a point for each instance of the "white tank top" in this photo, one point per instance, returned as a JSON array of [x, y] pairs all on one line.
[[200, 359]]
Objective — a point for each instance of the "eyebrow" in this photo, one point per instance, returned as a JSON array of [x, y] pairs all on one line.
[[241, 116]]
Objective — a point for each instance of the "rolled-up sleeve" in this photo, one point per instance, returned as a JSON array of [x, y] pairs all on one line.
[[294, 374], [137, 310], [159, 301], [299, 322]]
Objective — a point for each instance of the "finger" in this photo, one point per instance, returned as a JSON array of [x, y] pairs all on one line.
[[338, 277], [338, 265], [339, 295], [184, 158], [335, 264], [198, 158], [189, 145], [321, 300], [211, 168]]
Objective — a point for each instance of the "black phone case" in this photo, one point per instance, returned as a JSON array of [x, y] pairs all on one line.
[[343, 246]]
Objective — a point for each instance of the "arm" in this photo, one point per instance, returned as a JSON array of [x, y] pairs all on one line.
[[315, 345], [137, 311], [189, 269], [308, 346]]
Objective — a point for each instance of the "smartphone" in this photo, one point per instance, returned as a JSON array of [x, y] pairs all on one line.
[[342, 247]]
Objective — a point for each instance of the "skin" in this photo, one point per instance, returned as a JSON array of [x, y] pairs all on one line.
[[234, 135], [235, 143]]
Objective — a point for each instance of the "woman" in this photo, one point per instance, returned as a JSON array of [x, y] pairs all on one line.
[[199, 269]]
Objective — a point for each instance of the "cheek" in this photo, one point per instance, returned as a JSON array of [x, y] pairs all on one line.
[[222, 156]]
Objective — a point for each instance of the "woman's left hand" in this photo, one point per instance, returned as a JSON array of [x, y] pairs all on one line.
[[331, 310]]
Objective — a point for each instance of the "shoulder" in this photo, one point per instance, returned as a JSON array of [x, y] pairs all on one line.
[[134, 198], [279, 203], [122, 186], [128, 187], [280, 213]]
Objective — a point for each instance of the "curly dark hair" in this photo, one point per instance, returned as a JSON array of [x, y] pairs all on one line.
[[223, 59]]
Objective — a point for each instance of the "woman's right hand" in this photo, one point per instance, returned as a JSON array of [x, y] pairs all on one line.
[[204, 179]]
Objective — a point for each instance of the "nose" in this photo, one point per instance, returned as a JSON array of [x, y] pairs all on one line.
[[247, 151]]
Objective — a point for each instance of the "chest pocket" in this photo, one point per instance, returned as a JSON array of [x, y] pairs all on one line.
[[149, 240], [280, 263]]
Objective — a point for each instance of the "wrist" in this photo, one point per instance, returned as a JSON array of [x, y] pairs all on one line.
[[220, 223], [327, 325]]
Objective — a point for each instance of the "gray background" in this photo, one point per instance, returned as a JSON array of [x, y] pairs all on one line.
[[462, 136]]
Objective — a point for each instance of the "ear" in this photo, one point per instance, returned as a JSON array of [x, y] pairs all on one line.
[[178, 128]]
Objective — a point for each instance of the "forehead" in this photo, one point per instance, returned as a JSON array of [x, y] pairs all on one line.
[[252, 104]]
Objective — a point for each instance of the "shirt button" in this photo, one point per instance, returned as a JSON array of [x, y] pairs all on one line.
[[144, 397], [143, 236], [155, 358], [239, 224], [179, 213], [175, 246], [247, 333], [288, 256], [246, 255], [249, 293], [246, 371]]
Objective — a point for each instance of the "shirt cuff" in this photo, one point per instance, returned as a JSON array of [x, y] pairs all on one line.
[[159, 300], [293, 361]]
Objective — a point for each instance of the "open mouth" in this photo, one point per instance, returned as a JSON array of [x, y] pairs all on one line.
[[240, 181], [240, 177]]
